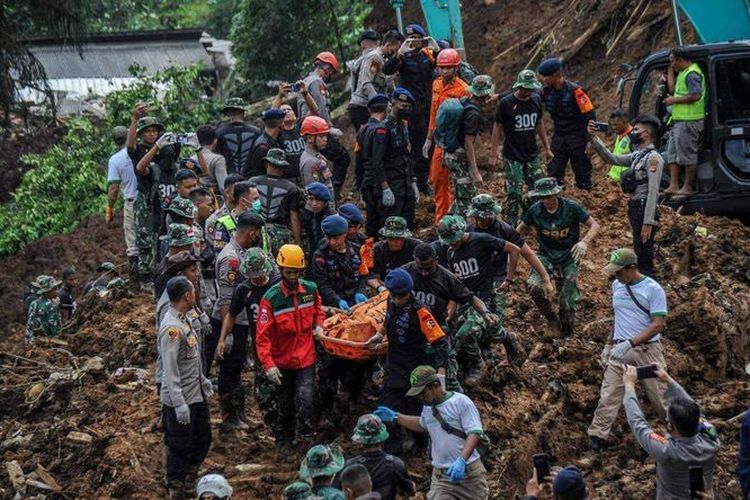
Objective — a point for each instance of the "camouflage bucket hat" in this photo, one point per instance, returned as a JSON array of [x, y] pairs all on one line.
[[482, 86], [450, 229], [484, 205], [276, 157], [395, 227], [45, 283], [237, 103], [146, 122], [256, 263], [105, 266], [370, 430], [182, 207], [116, 283], [527, 80], [180, 235], [421, 377], [298, 491], [546, 187], [321, 460]]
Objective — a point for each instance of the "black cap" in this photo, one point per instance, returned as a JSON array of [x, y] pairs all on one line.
[[250, 219], [369, 35]]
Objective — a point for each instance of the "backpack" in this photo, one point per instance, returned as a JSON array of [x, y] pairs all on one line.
[[467, 72], [448, 123]]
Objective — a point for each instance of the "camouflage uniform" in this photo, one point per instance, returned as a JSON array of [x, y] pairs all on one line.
[[463, 187], [44, 313], [323, 461], [516, 174]]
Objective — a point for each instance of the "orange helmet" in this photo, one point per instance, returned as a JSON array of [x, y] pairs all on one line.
[[448, 58], [314, 125], [328, 57]]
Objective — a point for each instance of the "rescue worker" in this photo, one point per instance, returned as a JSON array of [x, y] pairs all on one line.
[[394, 187], [570, 109], [320, 465], [367, 78], [355, 221], [647, 166], [289, 317], [203, 201], [106, 271], [184, 391], [292, 143], [519, 120], [279, 202], [246, 198], [213, 164], [236, 137], [227, 207], [561, 249], [387, 472], [153, 157], [180, 238], [470, 256], [448, 85], [414, 63], [44, 312], [180, 211], [66, 294], [462, 163], [377, 106], [620, 125], [687, 84], [313, 166], [257, 266], [120, 172], [317, 207], [412, 330], [228, 277], [396, 250], [273, 118]]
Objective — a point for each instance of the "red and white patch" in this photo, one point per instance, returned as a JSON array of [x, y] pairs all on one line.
[[657, 437], [233, 263]]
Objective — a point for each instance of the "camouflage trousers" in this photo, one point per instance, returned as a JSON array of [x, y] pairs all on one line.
[[463, 187], [145, 239], [265, 395], [518, 173], [278, 235], [565, 277]]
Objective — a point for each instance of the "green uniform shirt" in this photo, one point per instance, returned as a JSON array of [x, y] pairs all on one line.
[[44, 318], [557, 232]]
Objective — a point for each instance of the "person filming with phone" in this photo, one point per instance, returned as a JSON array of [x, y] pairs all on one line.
[[685, 458], [640, 307]]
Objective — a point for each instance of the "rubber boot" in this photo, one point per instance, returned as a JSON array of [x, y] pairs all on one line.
[[240, 407], [472, 378], [567, 323], [133, 268], [147, 283], [230, 420], [176, 490], [191, 478]]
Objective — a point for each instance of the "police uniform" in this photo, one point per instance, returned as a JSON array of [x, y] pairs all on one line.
[[182, 384], [225, 228], [211, 229], [278, 197], [367, 80]]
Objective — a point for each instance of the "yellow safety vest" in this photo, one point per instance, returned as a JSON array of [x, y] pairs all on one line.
[[231, 225], [622, 147], [694, 110]]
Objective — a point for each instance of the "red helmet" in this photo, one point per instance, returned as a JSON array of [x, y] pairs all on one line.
[[314, 125], [328, 57], [448, 58]]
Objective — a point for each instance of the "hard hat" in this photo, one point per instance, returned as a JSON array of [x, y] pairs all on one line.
[[448, 58], [314, 125], [291, 256], [329, 58]]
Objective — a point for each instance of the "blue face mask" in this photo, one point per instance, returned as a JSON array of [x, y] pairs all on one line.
[[255, 207]]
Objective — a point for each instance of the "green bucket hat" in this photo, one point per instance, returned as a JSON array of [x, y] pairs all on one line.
[[321, 460], [481, 86], [370, 430], [179, 235], [450, 229], [256, 263], [421, 377], [44, 284], [105, 266], [276, 157], [527, 80], [116, 283], [546, 187], [298, 491], [619, 259], [234, 103], [146, 122], [395, 227], [484, 205], [182, 207]]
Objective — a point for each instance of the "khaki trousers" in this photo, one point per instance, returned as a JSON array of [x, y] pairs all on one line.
[[472, 487], [128, 225], [613, 390]]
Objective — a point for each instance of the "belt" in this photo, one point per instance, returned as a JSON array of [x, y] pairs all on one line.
[[625, 340], [130, 199]]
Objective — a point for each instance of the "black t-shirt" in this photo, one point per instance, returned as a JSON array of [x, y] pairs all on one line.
[[278, 197], [519, 119], [235, 141], [247, 296], [259, 150], [505, 231], [293, 145], [165, 159], [387, 472], [472, 262], [384, 260], [437, 290], [471, 123], [66, 299]]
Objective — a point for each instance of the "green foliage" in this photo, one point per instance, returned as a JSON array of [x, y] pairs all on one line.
[[278, 40]]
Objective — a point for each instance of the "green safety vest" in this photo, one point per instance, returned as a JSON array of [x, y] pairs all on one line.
[[694, 110], [231, 225], [622, 147]]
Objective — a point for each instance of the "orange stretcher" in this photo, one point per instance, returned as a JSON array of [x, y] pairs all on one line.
[[345, 334]]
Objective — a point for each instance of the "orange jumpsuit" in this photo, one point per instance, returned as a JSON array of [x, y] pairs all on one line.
[[440, 177]]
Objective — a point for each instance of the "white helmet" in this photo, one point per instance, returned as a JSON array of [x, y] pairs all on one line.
[[215, 484]]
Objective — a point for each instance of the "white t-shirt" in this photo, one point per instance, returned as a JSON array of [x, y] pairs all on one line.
[[459, 412], [120, 170], [630, 320]]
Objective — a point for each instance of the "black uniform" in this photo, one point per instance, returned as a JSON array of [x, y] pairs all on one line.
[[293, 145], [504, 231], [438, 289], [235, 141], [388, 474], [262, 144], [67, 301], [278, 197], [337, 154], [313, 233], [390, 163], [519, 118], [363, 155], [385, 261], [416, 72], [472, 262], [569, 138], [157, 186]]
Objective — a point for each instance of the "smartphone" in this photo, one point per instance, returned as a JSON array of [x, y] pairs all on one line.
[[541, 464], [181, 138], [696, 481], [296, 87], [646, 372], [601, 127]]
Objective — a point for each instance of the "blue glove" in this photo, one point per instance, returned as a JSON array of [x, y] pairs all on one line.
[[385, 414], [359, 297], [457, 470], [343, 305]]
